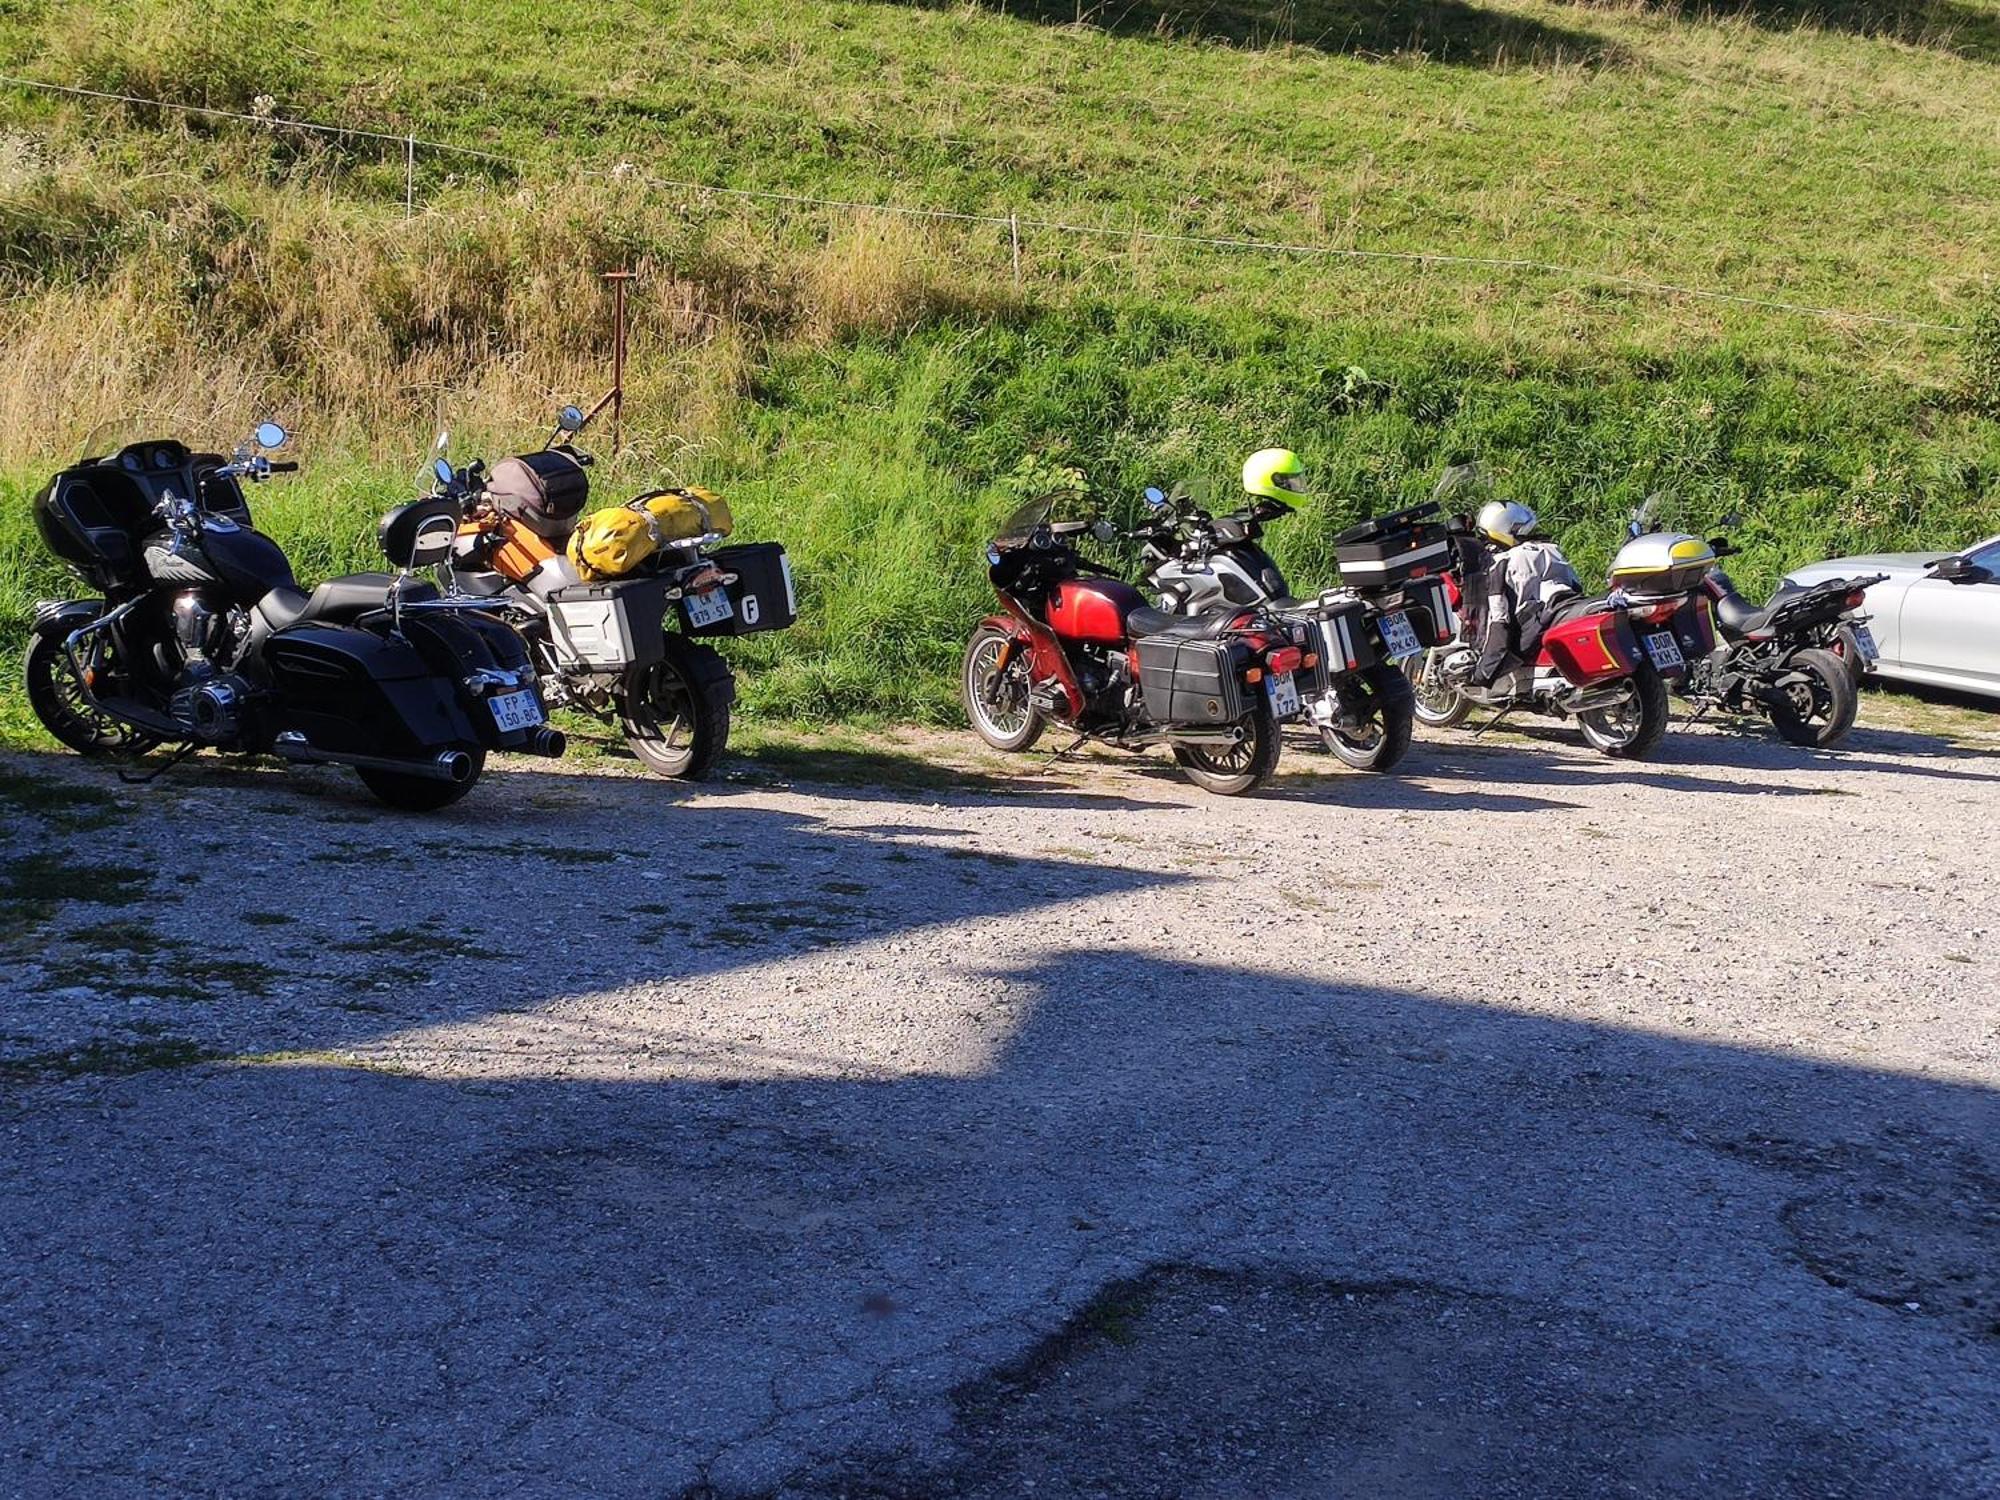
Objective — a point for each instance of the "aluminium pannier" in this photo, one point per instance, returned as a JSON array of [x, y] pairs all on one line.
[[544, 491], [610, 625], [1192, 682]]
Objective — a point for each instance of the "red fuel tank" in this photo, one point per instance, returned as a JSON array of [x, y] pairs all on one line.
[[1093, 609]]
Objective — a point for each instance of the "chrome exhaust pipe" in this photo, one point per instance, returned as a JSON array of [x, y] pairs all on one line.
[[546, 741], [447, 765]]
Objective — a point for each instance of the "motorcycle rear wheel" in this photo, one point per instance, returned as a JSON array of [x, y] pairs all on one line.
[[1640, 724], [1385, 738], [1818, 712], [996, 703], [1435, 705], [675, 721], [1241, 768], [407, 793], [59, 702]]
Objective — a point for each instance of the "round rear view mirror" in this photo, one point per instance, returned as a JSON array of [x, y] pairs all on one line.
[[442, 469], [271, 435], [570, 419], [1155, 497]]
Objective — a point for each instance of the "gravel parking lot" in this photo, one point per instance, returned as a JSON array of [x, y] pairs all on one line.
[[1528, 1124]]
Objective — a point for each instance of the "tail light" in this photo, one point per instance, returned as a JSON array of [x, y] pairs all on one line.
[[1653, 614], [1856, 599], [1285, 659]]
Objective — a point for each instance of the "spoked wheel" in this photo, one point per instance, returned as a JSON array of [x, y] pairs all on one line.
[[997, 696], [1631, 729], [1434, 701], [1238, 768], [1818, 709], [675, 719], [66, 711], [1381, 739], [407, 793]]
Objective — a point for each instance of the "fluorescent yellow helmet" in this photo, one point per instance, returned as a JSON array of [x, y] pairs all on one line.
[[1274, 473]]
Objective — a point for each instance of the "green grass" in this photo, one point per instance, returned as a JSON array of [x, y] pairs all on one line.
[[866, 392]]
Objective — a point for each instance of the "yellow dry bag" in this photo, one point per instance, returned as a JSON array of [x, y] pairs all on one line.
[[612, 543]]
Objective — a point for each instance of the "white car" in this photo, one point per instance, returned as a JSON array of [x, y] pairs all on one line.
[[1936, 617]]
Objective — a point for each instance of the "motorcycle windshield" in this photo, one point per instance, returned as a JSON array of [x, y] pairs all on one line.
[[1017, 528], [1463, 488], [107, 438]]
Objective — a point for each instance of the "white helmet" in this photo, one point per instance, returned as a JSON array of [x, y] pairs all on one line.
[[1505, 521]]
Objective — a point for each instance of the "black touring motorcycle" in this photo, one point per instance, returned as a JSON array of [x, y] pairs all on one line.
[[203, 639]]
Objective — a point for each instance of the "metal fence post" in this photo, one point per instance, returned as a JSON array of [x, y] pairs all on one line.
[[1014, 230], [410, 176]]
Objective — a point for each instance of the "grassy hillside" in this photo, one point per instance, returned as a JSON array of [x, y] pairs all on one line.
[[866, 387]]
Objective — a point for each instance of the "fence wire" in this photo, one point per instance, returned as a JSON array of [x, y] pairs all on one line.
[[1014, 223]]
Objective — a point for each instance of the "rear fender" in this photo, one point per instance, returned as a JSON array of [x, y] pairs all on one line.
[[1047, 661]]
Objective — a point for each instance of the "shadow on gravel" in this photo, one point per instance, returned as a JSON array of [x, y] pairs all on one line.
[[1428, 1248]]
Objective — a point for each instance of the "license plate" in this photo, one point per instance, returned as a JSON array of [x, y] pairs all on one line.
[[1284, 694], [1399, 636], [1665, 651], [522, 710], [1865, 639], [706, 609]]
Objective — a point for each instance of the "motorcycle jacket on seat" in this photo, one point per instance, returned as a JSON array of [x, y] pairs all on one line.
[[1522, 587]]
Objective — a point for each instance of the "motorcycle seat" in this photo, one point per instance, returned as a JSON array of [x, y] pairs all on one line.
[[1143, 622], [338, 601]]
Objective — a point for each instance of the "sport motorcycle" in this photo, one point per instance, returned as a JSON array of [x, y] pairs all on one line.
[[1392, 607], [203, 639], [1076, 645]]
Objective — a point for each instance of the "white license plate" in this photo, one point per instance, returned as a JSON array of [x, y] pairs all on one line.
[[1399, 636], [522, 710], [1284, 694], [706, 609], [1665, 651], [1865, 639]]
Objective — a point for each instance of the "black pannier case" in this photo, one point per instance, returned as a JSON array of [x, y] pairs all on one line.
[[1386, 552], [762, 592], [1191, 682], [544, 491]]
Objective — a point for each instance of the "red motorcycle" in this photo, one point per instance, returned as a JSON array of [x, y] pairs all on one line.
[[1591, 667], [1078, 646]]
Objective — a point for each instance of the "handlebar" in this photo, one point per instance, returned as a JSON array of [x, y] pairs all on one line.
[[289, 466]]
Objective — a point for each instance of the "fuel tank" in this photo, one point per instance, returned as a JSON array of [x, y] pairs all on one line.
[[247, 564], [1093, 609]]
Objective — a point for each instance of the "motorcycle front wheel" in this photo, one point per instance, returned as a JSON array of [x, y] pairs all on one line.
[[1818, 709], [1242, 767], [1382, 739], [407, 793], [996, 700], [1435, 704], [675, 720], [59, 701], [1632, 729]]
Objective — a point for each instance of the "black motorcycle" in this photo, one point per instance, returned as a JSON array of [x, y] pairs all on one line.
[[203, 638], [1792, 661], [1392, 607]]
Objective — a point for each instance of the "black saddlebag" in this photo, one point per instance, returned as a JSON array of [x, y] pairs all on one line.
[[1192, 682]]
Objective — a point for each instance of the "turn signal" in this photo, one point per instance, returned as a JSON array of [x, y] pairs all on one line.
[[1254, 676], [1311, 659]]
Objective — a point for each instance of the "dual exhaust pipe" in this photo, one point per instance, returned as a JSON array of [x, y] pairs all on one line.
[[455, 766]]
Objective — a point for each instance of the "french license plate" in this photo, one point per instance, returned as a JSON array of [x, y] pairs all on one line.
[[706, 609], [1284, 694], [1865, 639], [522, 710], [1665, 651], [1399, 636]]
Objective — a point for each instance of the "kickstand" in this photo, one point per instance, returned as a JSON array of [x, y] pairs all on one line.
[[1063, 754], [1494, 722], [160, 770]]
